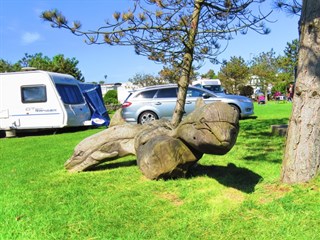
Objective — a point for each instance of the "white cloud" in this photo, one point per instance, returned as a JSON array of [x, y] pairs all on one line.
[[29, 37]]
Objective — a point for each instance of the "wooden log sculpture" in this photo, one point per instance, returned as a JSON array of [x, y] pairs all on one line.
[[161, 150], [114, 142]]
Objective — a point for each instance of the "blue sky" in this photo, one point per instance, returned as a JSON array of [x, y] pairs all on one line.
[[22, 31]]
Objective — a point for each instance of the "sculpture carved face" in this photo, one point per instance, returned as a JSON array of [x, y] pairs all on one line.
[[212, 128], [87, 153]]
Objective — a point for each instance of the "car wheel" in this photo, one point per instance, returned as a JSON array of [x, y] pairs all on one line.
[[146, 117], [236, 108]]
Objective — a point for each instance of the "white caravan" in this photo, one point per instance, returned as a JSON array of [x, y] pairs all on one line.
[[213, 85], [41, 100]]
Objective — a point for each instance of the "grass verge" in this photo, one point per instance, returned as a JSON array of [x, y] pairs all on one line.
[[235, 196]]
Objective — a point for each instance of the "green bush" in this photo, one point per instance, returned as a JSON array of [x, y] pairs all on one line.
[[280, 87], [111, 97]]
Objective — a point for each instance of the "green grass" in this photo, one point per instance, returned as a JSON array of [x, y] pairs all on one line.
[[236, 196]]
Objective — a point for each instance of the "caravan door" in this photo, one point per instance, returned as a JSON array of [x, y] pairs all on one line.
[[78, 112]]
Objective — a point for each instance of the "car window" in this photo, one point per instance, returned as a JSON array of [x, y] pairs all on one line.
[[167, 93], [191, 92], [147, 94]]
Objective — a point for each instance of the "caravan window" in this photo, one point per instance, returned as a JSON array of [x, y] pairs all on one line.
[[70, 94], [33, 94]]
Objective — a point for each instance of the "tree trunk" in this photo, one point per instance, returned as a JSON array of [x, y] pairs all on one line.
[[182, 90], [187, 66], [301, 160]]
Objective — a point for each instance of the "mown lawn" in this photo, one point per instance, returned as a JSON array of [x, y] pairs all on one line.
[[236, 196]]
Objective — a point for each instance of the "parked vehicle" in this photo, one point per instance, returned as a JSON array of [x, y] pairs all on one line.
[[150, 103], [213, 85], [36, 100]]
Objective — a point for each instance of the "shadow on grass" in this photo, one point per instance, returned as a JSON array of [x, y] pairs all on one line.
[[113, 165], [241, 179], [263, 158], [248, 118], [260, 127]]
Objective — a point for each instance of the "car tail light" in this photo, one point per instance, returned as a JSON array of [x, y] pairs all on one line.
[[126, 104]]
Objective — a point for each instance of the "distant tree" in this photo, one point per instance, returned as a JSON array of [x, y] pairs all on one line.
[[280, 84], [169, 75], [5, 66], [37, 61], [58, 64], [66, 65], [210, 74], [171, 32], [265, 66], [246, 91], [289, 62], [172, 74], [287, 67], [234, 74], [292, 54], [144, 80]]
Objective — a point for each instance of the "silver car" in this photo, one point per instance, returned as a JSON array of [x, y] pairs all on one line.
[[155, 102]]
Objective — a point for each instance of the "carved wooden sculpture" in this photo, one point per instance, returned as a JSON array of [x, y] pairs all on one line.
[[161, 150]]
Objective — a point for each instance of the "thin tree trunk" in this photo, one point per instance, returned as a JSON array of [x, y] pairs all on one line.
[[301, 160], [187, 66]]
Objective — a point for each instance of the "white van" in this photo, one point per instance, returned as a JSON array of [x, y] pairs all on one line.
[[213, 85], [35, 100]]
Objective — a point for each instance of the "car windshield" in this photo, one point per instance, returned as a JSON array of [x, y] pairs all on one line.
[[194, 92], [213, 88]]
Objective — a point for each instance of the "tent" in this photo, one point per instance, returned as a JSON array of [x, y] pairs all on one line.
[[93, 95]]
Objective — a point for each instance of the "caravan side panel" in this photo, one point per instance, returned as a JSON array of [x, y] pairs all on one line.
[[28, 100]]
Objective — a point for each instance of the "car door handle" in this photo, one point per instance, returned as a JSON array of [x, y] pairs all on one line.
[[158, 103]]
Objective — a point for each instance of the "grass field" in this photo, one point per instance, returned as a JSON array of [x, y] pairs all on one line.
[[236, 196]]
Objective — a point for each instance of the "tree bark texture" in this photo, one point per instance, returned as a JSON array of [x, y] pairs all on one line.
[[302, 154]]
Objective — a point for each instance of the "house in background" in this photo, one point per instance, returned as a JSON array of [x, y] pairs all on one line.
[[123, 89], [258, 87], [105, 87]]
